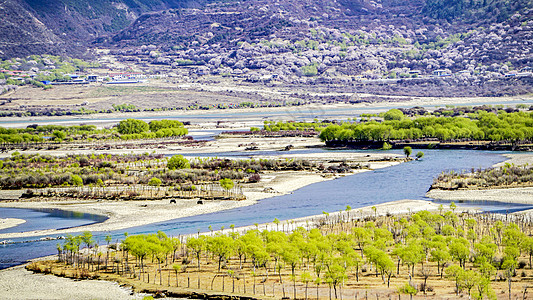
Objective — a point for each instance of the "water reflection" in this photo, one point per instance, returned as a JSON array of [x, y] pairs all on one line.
[[47, 218]]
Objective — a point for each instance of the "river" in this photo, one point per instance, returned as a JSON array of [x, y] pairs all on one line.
[[405, 181]]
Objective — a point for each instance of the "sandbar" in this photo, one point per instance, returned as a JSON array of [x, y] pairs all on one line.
[[10, 222]]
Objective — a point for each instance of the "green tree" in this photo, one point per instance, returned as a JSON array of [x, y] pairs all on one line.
[[440, 254], [226, 183], [59, 135], [178, 162], [407, 151], [335, 274], [408, 289], [459, 251], [419, 155], [156, 125], [393, 114], [76, 180], [527, 246], [197, 246], [456, 273], [176, 268], [305, 277], [132, 126], [221, 246], [411, 255], [154, 182]]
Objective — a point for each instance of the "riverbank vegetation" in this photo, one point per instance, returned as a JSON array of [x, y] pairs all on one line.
[[480, 127], [141, 176], [506, 176], [128, 129], [472, 130], [515, 127], [346, 255]]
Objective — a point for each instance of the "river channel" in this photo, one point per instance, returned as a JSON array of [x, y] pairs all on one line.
[[405, 181]]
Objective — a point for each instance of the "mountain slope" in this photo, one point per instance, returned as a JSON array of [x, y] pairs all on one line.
[[21, 33], [66, 26], [326, 40]]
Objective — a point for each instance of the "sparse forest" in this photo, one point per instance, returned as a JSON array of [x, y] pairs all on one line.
[[345, 255], [140, 176]]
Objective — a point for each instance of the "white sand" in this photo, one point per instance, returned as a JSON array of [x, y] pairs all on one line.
[[10, 222], [517, 159], [18, 283], [124, 214], [509, 195], [393, 208]]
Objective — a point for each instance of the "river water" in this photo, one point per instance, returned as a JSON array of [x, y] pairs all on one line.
[[298, 113], [405, 181]]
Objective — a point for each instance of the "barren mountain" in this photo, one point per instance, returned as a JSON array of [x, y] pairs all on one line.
[[66, 26], [21, 33]]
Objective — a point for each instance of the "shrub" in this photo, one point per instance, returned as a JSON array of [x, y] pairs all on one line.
[[132, 126], [386, 146], [178, 162]]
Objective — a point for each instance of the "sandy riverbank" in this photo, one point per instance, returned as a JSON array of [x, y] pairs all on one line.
[[510, 195], [388, 208], [10, 222], [126, 214], [18, 283], [522, 195]]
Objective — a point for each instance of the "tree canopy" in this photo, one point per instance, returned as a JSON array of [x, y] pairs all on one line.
[[132, 126]]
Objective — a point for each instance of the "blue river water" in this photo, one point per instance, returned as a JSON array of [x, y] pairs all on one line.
[[405, 181], [299, 113]]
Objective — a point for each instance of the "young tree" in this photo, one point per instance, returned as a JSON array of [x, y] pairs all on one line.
[[76, 180], [440, 254], [154, 182], [456, 273], [527, 246], [221, 246], [459, 251], [108, 240], [407, 151], [197, 246], [419, 155], [305, 277], [393, 114], [226, 183], [177, 268], [409, 290], [336, 274], [411, 255]]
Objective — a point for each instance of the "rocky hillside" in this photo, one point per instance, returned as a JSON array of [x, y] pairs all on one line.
[[21, 33], [60, 26]]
